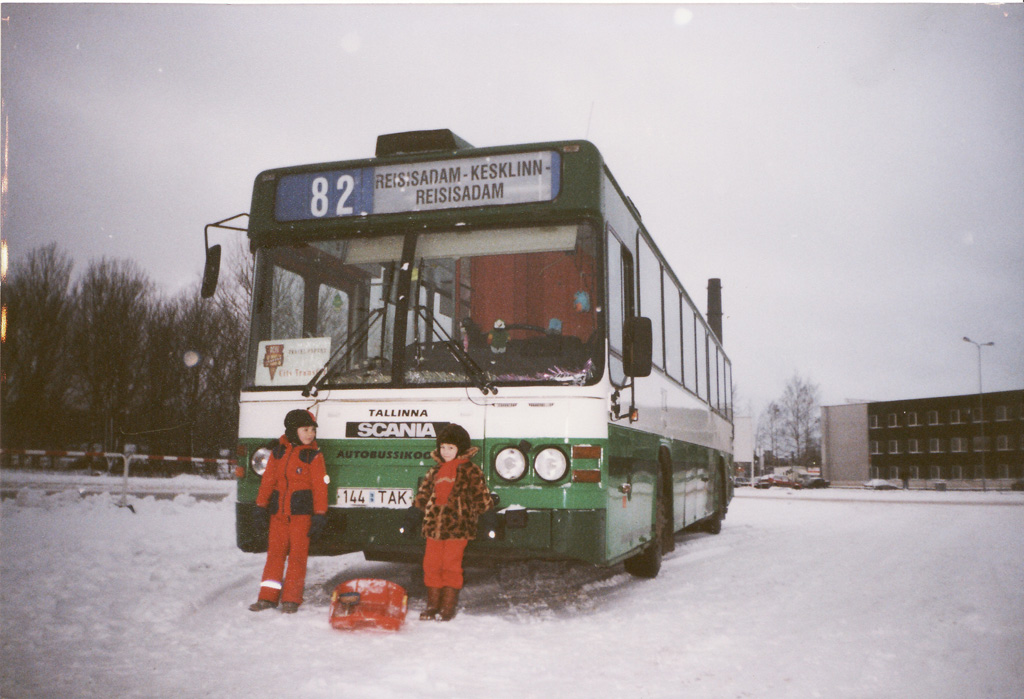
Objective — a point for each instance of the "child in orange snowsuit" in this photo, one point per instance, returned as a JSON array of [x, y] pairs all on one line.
[[452, 497], [293, 497]]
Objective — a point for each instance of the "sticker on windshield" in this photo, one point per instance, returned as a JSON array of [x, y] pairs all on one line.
[[291, 362]]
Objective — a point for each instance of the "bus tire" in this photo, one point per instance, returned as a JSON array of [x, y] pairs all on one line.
[[666, 507], [713, 525], [647, 563]]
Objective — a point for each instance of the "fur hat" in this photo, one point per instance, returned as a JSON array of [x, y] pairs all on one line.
[[454, 434], [296, 419]]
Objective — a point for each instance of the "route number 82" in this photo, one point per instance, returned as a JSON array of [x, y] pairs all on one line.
[[320, 202]]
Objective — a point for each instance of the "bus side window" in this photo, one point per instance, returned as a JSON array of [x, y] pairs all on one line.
[[628, 285], [689, 348], [713, 382], [615, 314], [621, 302], [702, 361], [650, 298], [673, 332]]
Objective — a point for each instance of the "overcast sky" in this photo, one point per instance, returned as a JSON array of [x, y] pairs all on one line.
[[853, 173]]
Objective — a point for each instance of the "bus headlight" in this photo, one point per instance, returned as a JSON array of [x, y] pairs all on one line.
[[259, 460], [551, 464], [510, 463]]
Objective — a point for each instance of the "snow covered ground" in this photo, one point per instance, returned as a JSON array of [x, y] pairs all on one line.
[[803, 594]]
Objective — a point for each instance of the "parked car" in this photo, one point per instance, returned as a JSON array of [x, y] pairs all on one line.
[[762, 482], [816, 483], [880, 484], [785, 482], [740, 481]]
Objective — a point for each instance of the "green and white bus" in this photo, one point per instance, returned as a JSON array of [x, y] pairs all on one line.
[[513, 290]]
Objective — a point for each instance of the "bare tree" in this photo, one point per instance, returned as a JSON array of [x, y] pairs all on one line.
[[111, 311], [109, 361], [234, 293], [215, 339], [801, 419], [209, 357], [769, 431], [159, 424], [38, 300]]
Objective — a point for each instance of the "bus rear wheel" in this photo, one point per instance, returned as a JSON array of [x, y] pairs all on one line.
[[713, 524]]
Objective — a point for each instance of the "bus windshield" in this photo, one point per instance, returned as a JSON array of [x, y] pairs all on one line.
[[473, 307]]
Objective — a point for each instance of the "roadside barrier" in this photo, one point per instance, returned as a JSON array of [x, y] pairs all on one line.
[[126, 459]]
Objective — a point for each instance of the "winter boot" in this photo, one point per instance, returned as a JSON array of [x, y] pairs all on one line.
[[261, 604], [433, 604], [449, 600], [289, 607]]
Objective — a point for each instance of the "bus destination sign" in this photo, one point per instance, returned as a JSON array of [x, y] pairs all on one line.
[[518, 178]]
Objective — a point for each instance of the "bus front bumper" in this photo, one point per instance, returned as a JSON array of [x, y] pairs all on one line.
[[565, 534]]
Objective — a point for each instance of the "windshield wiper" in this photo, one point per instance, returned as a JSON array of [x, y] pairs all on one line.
[[352, 341], [472, 369]]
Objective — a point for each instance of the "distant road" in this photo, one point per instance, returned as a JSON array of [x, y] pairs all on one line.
[[902, 497], [13, 481]]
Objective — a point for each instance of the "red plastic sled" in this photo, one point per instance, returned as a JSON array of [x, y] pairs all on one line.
[[369, 603]]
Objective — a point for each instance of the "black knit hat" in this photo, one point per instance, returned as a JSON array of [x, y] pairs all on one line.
[[454, 434], [296, 419], [299, 418]]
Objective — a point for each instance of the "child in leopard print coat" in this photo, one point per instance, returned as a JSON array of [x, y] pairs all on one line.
[[452, 497]]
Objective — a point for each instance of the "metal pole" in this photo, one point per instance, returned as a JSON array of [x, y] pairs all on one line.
[[981, 411], [129, 452]]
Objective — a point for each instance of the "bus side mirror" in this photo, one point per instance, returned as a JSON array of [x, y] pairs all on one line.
[[636, 353], [211, 272]]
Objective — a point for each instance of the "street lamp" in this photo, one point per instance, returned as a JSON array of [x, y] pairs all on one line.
[[981, 410]]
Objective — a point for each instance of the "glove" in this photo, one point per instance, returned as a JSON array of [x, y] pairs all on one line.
[[489, 523], [412, 522], [260, 518], [317, 524]]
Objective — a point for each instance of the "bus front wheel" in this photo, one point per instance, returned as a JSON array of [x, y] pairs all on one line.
[[647, 563]]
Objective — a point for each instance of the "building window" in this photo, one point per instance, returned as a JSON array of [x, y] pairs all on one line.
[[1002, 414], [894, 446], [1002, 443], [980, 444], [977, 415], [914, 446], [956, 472], [874, 421], [933, 417], [954, 417], [958, 445], [935, 445], [893, 422], [934, 472], [874, 448], [915, 472], [912, 420]]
